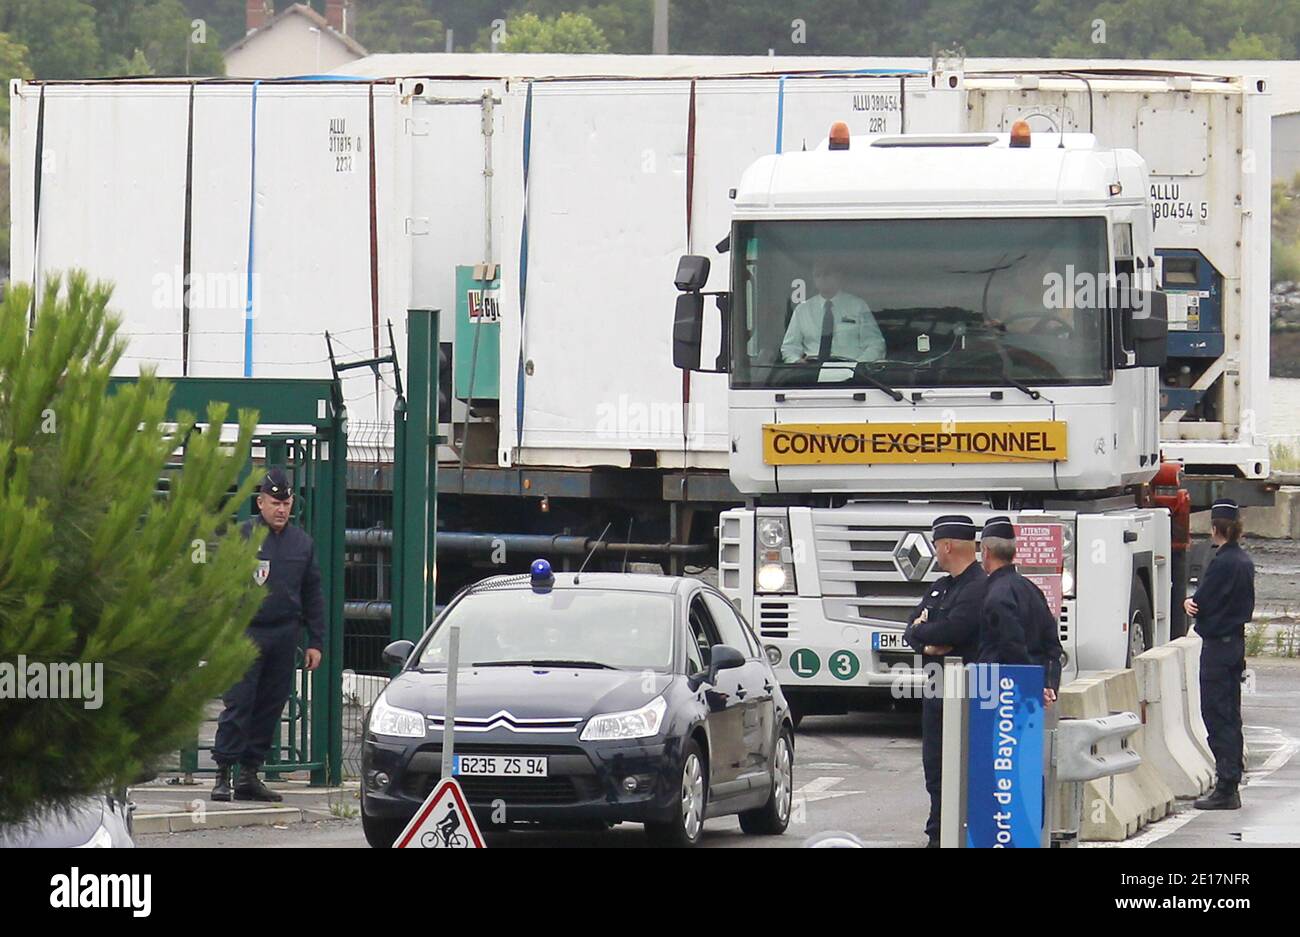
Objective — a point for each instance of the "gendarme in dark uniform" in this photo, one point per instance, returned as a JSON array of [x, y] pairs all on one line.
[[1017, 626], [287, 569], [946, 622], [1223, 604]]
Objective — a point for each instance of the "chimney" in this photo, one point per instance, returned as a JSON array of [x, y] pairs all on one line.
[[257, 13], [336, 14]]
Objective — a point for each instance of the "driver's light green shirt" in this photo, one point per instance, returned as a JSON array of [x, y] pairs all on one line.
[[856, 335]]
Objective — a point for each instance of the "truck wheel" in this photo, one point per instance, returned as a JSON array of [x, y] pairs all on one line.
[[796, 712], [1139, 622]]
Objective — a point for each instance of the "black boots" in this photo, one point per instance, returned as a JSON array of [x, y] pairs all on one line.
[[250, 787], [1223, 797], [221, 790]]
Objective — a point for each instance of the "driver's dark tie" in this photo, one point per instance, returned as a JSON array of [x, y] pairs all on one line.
[[828, 331]]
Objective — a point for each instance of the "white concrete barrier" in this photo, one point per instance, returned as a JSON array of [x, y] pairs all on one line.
[[1155, 795], [1168, 737], [1115, 807], [1190, 645]]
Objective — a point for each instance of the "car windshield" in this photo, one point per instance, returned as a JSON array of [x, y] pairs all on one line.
[[919, 302], [585, 627]]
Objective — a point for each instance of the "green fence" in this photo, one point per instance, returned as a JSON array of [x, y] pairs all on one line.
[[306, 433]]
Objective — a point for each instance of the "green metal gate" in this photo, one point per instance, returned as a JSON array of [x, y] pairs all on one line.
[[306, 434]]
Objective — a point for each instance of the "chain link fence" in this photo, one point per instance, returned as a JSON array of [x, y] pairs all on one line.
[[367, 581]]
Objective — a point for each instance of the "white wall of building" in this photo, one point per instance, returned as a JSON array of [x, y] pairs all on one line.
[[290, 46]]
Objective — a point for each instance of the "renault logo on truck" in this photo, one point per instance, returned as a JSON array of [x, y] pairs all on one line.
[[914, 556]]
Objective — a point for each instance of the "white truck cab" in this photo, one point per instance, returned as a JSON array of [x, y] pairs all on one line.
[[929, 324]]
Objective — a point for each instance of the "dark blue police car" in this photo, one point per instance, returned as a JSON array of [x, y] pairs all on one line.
[[586, 701]]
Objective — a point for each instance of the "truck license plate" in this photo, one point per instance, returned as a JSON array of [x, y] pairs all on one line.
[[888, 641], [499, 766]]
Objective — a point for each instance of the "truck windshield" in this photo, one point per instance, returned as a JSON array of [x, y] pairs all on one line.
[[921, 302]]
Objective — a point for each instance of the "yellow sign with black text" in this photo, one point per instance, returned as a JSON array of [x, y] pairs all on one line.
[[914, 443]]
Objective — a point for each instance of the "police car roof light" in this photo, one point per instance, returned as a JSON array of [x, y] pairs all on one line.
[[542, 577]]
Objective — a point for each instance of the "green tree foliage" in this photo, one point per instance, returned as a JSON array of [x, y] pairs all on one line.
[[59, 34], [1285, 253], [565, 33], [224, 19], [625, 24], [1075, 28], [83, 38], [97, 38], [97, 569], [13, 64], [399, 26], [157, 35]]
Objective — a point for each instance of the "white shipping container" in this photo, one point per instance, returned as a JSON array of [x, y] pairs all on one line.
[[585, 321], [113, 160]]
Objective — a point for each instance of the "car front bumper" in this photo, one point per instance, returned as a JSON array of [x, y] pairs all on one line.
[[585, 784]]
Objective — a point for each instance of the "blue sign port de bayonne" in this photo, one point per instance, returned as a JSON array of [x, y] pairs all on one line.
[[1004, 793]]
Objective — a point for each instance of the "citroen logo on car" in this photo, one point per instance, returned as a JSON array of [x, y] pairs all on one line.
[[914, 556]]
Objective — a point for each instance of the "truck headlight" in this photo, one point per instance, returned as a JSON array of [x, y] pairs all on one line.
[[773, 557], [390, 720], [634, 724], [771, 532], [771, 578]]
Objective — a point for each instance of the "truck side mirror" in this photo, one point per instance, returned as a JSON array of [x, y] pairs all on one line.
[[688, 319], [1150, 333], [692, 273], [688, 331], [1141, 323]]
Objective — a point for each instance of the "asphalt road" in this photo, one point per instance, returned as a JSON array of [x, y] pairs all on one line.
[[861, 773]]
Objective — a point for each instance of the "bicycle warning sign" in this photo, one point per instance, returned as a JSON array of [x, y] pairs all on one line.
[[444, 821]]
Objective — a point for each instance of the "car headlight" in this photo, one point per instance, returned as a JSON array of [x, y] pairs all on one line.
[[102, 839], [635, 724], [390, 720]]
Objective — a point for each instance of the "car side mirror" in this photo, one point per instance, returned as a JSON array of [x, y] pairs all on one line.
[[723, 657], [397, 653]]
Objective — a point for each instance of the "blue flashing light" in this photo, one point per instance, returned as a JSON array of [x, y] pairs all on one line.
[[542, 577]]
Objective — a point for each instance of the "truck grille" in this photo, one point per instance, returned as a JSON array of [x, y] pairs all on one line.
[[861, 571], [776, 619]]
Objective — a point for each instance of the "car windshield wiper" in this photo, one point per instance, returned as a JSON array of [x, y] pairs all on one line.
[[594, 665]]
